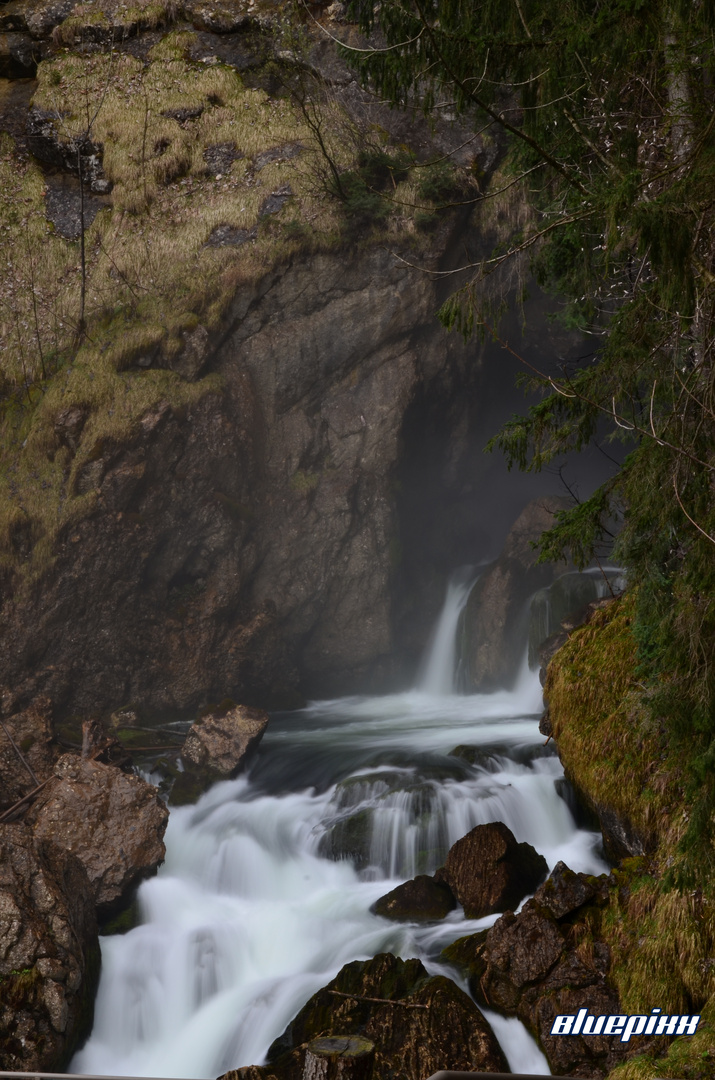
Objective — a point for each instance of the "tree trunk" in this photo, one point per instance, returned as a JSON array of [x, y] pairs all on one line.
[[339, 1057]]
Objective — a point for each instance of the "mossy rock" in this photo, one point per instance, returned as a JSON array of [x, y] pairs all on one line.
[[124, 921], [465, 955], [349, 838]]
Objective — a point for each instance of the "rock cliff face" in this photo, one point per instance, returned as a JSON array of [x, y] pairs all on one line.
[[244, 545]]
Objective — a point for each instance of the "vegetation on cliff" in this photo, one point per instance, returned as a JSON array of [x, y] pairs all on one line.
[[194, 182]]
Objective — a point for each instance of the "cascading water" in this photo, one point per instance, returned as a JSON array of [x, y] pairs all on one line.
[[439, 669], [268, 882]]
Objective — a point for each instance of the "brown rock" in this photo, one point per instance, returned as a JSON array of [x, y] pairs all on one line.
[[418, 1024], [524, 947], [420, 900], [112, 822], [488, 871], [221, 741], [49, 952], [564, 891]]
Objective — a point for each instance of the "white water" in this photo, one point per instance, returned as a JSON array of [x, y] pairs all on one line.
[[247, 919]]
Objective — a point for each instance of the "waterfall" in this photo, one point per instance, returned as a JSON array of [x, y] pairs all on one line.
[[439, 667], [268, 881]]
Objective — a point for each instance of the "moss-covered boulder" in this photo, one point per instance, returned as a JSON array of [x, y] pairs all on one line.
[[418, 1024]]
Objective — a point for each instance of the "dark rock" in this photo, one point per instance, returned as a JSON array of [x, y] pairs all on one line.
[[222, 741], [420, 900], [18, 59], [339, 1057], [113, 823], [48, 143], [488, 871], [63, 208], [49, 953], [496, 615], [564, 891], [195, 354], [275, 201], [527, 966], [545, 726], [419, 1025], [220, 156], [276, 153], [349, 838], [229, 236]]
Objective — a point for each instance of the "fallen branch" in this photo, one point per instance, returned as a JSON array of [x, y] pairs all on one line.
[[20, 754], [30, 795], [379, 1001]]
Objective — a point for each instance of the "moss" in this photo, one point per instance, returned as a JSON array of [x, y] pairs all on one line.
[[606, 737], [304, 482]]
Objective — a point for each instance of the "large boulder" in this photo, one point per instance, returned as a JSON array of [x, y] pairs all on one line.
[[422, 899], [495, 618], [112, 822], [221, 740], [488, 871], [49, 952], [418, 1024]]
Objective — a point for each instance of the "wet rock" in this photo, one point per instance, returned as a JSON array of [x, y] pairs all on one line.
[[17, 56], [31, 732], [349, 838], [112, 822], [527, 966], [221, 742], [418, 1024], [420, 900], [564, 891], [495, 618], [49, 952], [488, 871]]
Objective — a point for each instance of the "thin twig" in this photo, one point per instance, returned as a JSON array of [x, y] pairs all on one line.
[[19, 753], [379, 1001], [7, 813]]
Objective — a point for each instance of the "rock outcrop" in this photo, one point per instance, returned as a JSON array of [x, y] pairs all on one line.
[[49, 952], [532, 965], [488, 871], [495, 618], [418, 1024], [221, 741], [422, 899], [113, 823]]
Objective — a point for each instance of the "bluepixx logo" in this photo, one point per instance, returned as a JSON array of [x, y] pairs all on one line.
[[626, 1026]]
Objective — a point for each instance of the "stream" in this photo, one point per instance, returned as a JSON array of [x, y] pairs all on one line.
[[248, 917]]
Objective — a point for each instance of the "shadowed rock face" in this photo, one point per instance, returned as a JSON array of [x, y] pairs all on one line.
[[488, 871], [111, 822], [420, 1025], [534, 965], [495, 616], [49, 952], [244, 546], [420, 900]]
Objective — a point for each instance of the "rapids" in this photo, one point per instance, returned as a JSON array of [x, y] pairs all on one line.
[[247, 918]]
